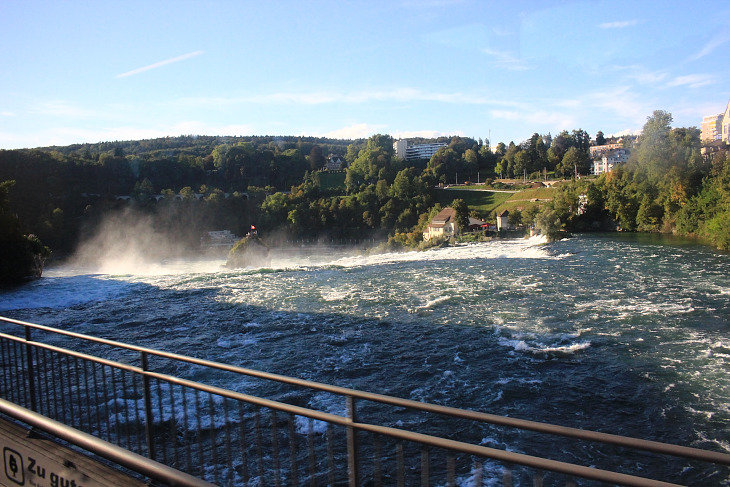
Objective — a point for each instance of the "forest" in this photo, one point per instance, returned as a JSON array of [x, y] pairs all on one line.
[[189, 185]]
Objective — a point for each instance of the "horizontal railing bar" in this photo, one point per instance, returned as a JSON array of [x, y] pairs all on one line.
[[607, 438], [516, 458], [131, 460], [468, 448], [73, 353]]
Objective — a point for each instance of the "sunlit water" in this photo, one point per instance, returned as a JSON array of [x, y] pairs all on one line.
[[623, 335]]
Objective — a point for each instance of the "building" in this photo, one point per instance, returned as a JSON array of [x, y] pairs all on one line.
[[221, 239], [712, 128], [503, 221], [717, 127], [599, 150], [475, 224], [442, 226], [399, 147], [609, 160], [335, 163], [410, 152]]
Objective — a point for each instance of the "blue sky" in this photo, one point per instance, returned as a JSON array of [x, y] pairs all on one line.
[[97, 70]]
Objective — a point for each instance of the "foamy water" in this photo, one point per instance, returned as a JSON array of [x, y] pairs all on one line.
[[610, 334]]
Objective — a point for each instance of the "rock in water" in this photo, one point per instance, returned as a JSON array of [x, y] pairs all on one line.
[[249, 252]]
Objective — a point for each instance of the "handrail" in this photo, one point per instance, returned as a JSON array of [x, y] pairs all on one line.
[[577, 433], [149, 467], [116, 454]]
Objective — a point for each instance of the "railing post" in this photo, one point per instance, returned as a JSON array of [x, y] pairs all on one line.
[[353, 453], [147, 407], [31, 370]]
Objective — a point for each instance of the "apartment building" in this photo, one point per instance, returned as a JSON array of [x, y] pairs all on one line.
[[404, 150], [609, 160], [717, 127]]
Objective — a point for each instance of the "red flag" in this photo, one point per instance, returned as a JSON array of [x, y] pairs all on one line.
[[253, 228]]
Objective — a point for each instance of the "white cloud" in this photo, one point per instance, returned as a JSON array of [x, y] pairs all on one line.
[[61, 108], [640, 74], [625, 132], [540, 119], [364, 130], [693, 80], [160, 64], [620, 100], [711, 46], [354, 97], [68, 135], [622, 24], [7, 114], [505, 60], [357, 131], [426, 134]]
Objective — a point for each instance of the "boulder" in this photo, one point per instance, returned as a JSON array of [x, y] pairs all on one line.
[[250, 251]]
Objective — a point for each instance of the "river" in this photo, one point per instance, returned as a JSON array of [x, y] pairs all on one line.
[[625, 334]]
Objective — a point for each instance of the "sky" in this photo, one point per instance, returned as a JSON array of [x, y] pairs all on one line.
[[92, 71]]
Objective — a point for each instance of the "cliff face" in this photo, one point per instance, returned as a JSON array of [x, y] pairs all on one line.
[[21, 259], [248, 252]]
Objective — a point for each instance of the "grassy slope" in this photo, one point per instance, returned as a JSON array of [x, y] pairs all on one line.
[[482, 201], [477, 198], [485, 201], [332, 180]]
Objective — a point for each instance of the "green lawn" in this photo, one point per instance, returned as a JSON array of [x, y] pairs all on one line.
[[482, 201], [486, 202], [534, 193], [332, 180]]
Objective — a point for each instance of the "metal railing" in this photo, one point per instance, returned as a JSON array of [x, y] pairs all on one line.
[[207, 426]]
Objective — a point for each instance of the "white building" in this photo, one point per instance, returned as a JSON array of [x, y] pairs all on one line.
[[442, 226], [503, 221], [404, 150], [610, 160]]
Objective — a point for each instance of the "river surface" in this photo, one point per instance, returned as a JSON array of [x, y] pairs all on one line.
[[620, 334]]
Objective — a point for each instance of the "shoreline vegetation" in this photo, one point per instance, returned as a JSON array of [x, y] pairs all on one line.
[[176, 189]]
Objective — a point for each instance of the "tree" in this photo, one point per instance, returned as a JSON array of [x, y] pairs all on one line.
[[654, 149], [382, 143], [21, 256], [515, 217], [547, 140], [521, 164], [539, 158], [501, 168], [581, 140], [352, 153], [508, 160], [649, 215], [600, 139], [574, 161], [462, 213], [446, 165], [548, 223], [316, 159], [187, 193], [470, 163]]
